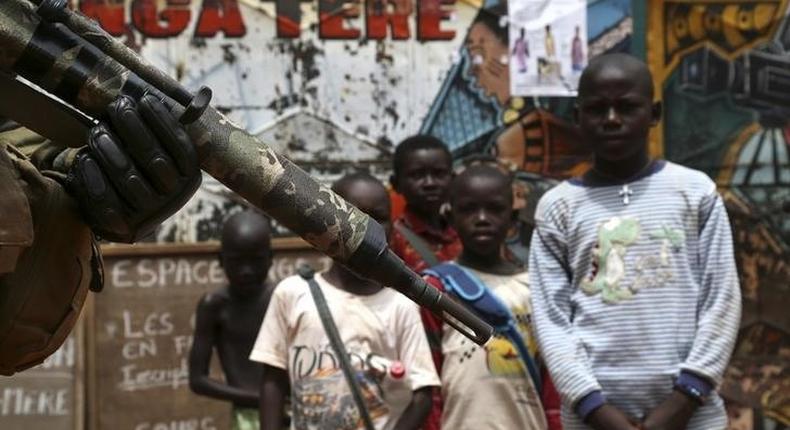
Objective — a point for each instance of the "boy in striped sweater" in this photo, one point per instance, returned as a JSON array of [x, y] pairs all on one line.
[[635, 292]]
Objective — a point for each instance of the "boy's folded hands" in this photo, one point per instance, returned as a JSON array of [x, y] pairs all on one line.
[[608, 417], [671, 414]]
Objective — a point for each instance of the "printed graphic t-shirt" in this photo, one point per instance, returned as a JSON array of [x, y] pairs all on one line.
[[488, 387], [377, 330]]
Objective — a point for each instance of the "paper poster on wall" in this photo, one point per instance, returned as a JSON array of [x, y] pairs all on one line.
[[548, 46]]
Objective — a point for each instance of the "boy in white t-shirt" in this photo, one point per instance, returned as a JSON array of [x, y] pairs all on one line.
[[380, 328]]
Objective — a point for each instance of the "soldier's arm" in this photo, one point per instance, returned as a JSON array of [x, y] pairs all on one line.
[[200, 358], [41, 151]]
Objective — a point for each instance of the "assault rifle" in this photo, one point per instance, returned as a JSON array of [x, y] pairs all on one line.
[[69, 56]]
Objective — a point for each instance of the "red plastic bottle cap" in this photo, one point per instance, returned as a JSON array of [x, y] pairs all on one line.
[[397, 370]]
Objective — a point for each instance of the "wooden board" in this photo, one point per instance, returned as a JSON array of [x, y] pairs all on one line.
[[140, 333], [48, 396]]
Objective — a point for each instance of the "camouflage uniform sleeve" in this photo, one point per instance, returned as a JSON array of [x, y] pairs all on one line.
[[45, 154], [27, 161], [48, 261], [16, 221]]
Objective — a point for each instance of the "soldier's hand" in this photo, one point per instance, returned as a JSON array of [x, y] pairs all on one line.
[[136, 171]]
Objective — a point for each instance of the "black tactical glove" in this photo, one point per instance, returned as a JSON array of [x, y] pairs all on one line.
[[135, 173]]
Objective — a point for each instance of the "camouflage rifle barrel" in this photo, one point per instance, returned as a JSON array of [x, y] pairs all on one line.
[[75, 66]]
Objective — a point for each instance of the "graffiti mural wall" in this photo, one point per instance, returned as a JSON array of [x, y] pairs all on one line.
[[724, 71]]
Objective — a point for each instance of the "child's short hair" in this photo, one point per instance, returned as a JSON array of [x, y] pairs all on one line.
[[488, 160], [480, 169], [620, 60], [356, 176], [252, 216], [416, 143]]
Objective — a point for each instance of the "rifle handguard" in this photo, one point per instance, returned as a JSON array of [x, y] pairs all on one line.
[[92, 80]]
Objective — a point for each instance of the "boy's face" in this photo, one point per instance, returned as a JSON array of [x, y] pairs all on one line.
[[616, 112], [482, 213], [246, 264], [424, 179]]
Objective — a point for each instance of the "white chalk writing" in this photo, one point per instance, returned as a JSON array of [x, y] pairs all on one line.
[[166, 272], [205, 423], [182, 344], [63, 358], [135, 378], [134, 349], [154, 324], [23, 401]]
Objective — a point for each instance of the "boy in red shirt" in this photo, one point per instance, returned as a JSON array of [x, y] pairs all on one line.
[[422, 170]]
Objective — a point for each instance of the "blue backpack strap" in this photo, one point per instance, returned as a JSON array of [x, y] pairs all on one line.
[[485, 303]]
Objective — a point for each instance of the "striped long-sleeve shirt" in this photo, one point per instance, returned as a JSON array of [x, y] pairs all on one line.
[[627, 297]]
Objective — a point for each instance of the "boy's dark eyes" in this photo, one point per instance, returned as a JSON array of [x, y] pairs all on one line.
[[245, 259], [498, 209], [466, 208], [492, 208], [595, 108], [435, 173], [627, 107], [603, 108]]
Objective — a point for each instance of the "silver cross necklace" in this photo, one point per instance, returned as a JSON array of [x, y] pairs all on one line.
[[625, 191]]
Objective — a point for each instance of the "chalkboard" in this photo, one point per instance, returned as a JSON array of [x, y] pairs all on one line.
[[48, 396], [140, 333]]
